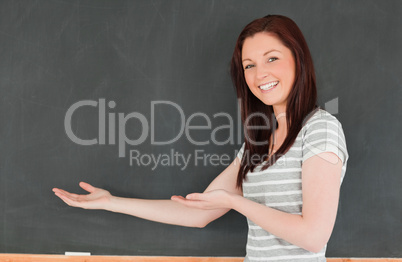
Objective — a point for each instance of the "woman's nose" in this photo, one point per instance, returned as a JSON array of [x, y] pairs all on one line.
[[262, 72]]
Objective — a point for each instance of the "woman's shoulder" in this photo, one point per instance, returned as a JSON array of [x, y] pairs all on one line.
[[320, 116], [323, 132], [321, 121]]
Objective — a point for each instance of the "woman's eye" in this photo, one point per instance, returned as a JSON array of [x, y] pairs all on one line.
[[248, 66], [272, 59]]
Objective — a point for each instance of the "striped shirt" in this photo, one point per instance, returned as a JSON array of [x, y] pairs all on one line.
[[280, 187]]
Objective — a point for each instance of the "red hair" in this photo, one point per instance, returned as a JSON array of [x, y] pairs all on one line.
[[301, 102]]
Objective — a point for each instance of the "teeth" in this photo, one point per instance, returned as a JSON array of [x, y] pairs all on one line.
[[269, 85]]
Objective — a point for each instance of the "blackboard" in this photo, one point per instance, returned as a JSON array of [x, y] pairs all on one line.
[[146, 59]]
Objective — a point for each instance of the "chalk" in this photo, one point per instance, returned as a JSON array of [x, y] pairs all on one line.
[[77, 253]]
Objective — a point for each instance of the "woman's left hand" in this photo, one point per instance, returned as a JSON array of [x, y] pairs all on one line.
[[214, 199]]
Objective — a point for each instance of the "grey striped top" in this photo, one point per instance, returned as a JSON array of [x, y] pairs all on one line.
[[280, 187]]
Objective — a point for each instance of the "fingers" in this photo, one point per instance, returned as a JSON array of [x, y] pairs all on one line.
[[70, 198], [64, 193], [76, 197], [177, 198], [195, 196], [190, 202], [87, 187], [190, 197], [66, 200]]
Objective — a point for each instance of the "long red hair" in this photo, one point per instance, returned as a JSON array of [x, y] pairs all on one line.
[[301, 102]]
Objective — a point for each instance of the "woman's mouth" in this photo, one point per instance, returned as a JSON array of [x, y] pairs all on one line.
[[268, 86]]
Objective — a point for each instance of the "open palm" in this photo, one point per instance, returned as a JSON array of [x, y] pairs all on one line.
[[96, 199]]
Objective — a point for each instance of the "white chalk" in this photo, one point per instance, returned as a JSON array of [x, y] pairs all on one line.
[[77, 253]]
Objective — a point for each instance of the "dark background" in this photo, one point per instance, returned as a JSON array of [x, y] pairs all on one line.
[[56, 53]]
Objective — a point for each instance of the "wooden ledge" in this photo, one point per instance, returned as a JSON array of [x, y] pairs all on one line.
[[62, 258]]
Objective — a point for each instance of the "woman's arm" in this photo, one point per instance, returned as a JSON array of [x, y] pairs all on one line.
[[164, 211], [321, 176]]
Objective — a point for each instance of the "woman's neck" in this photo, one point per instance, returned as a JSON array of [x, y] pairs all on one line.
[[282, 123]]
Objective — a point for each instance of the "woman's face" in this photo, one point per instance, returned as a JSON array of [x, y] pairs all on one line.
[[269, 69]]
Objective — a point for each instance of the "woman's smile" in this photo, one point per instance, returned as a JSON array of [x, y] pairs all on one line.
[[268, 86]]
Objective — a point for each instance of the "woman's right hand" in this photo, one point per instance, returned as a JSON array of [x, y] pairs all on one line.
[[96, 199]]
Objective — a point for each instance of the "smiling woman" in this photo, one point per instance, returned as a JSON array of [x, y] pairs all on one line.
[[290, 205], [269, 74]]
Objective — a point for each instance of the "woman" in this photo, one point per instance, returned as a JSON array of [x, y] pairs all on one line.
[[287, 176]]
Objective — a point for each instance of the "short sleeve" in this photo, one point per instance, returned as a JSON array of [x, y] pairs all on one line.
[[241, 151], [324, 133]]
